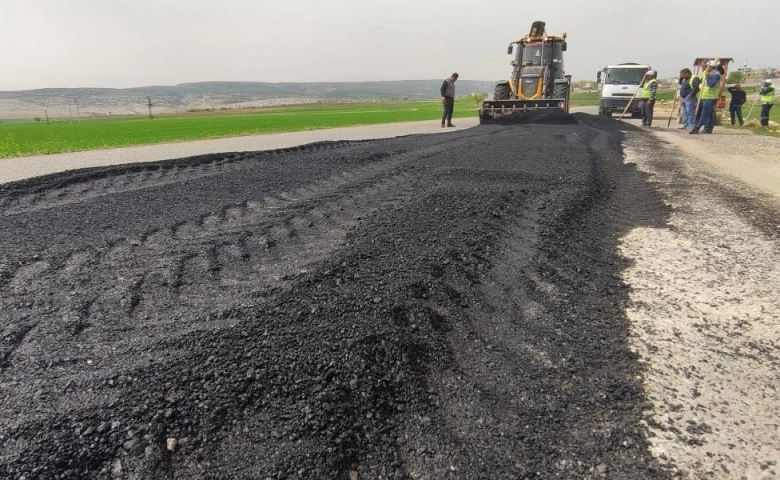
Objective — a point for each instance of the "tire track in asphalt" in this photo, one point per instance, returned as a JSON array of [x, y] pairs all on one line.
[[282, 218], [255, 242], [73, 187], [540, 297]]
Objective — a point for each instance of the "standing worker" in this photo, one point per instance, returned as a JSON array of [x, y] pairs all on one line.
[[738, 98], [649, 89], [697, 83], [687, 97], [710, 91], [767, 96], [448, 99]]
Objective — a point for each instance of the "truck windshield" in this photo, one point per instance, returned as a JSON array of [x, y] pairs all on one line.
[[624, 76]]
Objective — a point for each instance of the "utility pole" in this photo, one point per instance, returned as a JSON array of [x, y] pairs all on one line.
[[78, 112], [149, 101], [46, 111]]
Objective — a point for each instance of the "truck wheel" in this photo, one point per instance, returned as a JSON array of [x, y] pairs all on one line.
[[501, 92], [606, 113]]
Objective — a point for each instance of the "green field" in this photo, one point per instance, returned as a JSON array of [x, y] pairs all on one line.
[[592, 98], [23, 138], [32, 138]]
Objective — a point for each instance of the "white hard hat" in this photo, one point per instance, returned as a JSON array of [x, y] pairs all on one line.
[[712, 63], [650, 72], [768, 81]]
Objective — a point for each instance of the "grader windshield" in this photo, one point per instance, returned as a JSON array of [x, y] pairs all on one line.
[[541, 53]]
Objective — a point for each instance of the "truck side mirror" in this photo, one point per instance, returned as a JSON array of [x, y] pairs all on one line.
[[598, 77], [563, 46], [509, 49]]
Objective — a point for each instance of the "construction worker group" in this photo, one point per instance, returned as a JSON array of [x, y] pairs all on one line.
[[700, 96]]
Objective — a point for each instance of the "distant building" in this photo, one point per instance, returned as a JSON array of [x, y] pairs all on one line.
[[756, 75]]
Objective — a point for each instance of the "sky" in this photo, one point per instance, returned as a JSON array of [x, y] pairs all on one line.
[[133, 43]]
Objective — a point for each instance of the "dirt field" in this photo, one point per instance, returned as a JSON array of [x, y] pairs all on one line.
[[568, 298]]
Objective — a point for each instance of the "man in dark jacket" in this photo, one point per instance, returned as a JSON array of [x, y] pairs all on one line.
[[448, 100], [687, 97], [738, 98]]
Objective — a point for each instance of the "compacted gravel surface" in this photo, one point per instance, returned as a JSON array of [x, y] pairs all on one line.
[[430, 306]]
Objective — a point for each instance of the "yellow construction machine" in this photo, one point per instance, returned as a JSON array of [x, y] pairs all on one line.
[[538, 79]]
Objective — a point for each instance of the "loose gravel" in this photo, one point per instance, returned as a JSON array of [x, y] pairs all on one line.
[[704, 316]]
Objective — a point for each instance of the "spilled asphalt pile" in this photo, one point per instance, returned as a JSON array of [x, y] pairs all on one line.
[[541, 116], [430, 306]]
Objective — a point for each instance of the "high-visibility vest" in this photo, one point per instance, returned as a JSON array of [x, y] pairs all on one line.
[[769, 96], [709, 93], [703, 78], [646, 93]]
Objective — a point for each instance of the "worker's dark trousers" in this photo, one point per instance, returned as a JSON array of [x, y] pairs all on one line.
[[647, 112], [449, 106], [707, 117], [736, 110], [765, 108]]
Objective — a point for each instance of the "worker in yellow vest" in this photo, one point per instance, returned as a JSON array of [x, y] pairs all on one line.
[[647, 96], [697, 83], [767, 97], [710, 92]]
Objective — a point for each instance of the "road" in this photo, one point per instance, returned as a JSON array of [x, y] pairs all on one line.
[[566, 298], [15, 169]]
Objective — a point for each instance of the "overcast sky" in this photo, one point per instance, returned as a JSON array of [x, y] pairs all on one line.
[[129, 43]]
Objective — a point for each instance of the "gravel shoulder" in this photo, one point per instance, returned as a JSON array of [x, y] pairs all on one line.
[[750, 159], [704, 316]]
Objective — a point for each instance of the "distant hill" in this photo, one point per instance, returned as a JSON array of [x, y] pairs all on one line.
[[62, 102]]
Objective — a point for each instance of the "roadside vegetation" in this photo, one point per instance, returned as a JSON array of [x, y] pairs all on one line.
[[64, 135], [58, 135]]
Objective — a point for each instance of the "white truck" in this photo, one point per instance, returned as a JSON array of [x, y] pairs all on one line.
[[618, 84]]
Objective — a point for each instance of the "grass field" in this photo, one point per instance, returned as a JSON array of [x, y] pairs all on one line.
[[33, 138], [21, 139]]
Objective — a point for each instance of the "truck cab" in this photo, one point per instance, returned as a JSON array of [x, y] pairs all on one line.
[[619, 85]]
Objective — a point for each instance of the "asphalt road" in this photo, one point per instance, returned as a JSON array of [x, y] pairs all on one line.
[[426, 306], [558, 297]]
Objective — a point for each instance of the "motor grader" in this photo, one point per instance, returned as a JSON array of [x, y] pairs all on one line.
[[538, 80]]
